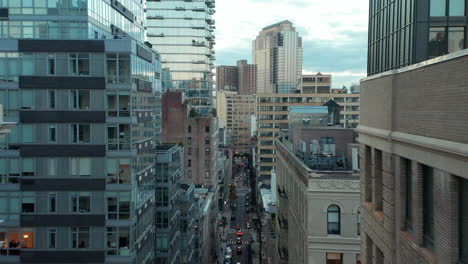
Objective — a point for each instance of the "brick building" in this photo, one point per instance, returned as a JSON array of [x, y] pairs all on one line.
[[414, 163], [241, 78]]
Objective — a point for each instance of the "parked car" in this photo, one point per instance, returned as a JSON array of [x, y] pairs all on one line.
[[237, 228], [239, 241], [247, 224], [239, 250]]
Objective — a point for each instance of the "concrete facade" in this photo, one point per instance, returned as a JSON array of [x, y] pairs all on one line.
[[414, 163], [316, 83], [305, 199]]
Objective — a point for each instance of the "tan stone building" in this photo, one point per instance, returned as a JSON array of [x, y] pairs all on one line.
[[318, 212], [272, 116], [236, 111], [316, 83], [414, 163]]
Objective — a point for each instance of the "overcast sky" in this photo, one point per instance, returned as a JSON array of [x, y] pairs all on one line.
[[334, 33]]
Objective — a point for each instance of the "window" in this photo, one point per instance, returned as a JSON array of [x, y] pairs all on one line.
[[27, 133], [437, 7], [437, 42], [207, 129], [27, 99], [52, 167], [118, 170], [456, 7], [207, 164], [81, 133], [162, 196], [118, 205], [428, 206], [118, 137], [28, 202], [189, 151], [334, 258], [79, 64], [118, 68], [80, 202], [207, 151], [52, 204], [189, 141], [162, 219], [359, 223], [118, 103], [207, 174], [189, 174], [207, 140], [51, 238], [52, 134], [51, 99], [118, 239], [189, 163], [456, 39], [378, 180], [463, 212], [190, 129], [27, 167], [81, 167], [14, 240], [409, 195], [333, 220], [80, 237], [80, 99], [51, 64], [358, 258]]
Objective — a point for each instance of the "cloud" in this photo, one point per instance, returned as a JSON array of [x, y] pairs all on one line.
[[334, 32]]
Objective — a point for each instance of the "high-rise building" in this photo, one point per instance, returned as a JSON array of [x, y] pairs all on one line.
[[77, 170], [227, 78], [5, 127], [182, 31], [316, 83], [405, 32], [277, 52], [413, 144], [241, 78]]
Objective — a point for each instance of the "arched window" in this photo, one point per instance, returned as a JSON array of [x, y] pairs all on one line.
[[333, 220], [358, 222]]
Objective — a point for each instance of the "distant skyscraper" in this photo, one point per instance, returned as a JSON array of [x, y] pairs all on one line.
[[404, 32], [277, 52], [182, 31]]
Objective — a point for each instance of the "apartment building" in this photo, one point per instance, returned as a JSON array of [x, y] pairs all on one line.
[[272, 116], [182, 31], [241, 78], [236, 110], [414, 163], [318, 217], [77, 170], [316, 83]]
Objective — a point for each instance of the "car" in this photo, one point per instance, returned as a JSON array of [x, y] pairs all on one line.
[[239, 241], [239, 233], [237, 228], [228, 251], [239, 250], [247, 224]]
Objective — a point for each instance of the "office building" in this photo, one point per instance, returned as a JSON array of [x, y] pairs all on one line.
[[236, 110], [277, 52], [414, 163], [355, 88], [404, 32], [5, 127], [78, 168], [316, 83], [182, 31], [272, 116]]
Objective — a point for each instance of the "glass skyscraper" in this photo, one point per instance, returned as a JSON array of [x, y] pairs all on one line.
[[182, 31], [405, 32], [77, 172]]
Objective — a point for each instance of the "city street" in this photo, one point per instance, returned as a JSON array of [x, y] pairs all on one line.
[[238, 234]]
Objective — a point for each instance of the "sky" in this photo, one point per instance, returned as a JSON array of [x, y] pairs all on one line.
[[334, 33]]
